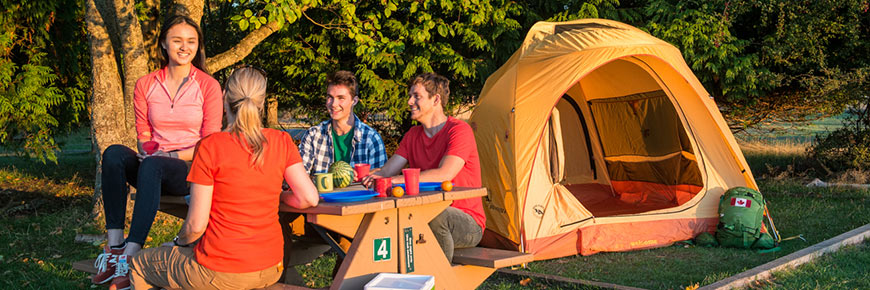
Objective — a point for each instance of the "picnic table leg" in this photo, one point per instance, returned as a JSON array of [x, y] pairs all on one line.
[[428, 258], [330, 240], [471, 275], [359, 265]]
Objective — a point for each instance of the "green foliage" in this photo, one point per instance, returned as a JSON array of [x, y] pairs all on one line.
[[770, 60], [761, 60], [280, 11], [847, 147], [385, 43], [41, 81]]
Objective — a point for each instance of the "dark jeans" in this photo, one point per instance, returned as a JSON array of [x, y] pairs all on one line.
[[151, 177], [455, 229]]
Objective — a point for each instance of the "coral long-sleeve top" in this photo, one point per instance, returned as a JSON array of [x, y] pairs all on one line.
[[177, 123]]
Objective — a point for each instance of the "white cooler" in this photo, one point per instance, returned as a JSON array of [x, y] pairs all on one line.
[[393, 281]]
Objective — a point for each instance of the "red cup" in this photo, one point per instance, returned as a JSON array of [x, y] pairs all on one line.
[[361, 170], [150, 147], [412, 180], [382, 185]]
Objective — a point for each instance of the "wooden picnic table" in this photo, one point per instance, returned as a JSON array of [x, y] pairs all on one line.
[[392, 235]]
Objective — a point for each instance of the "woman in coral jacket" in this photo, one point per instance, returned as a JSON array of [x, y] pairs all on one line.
[[175, 107]]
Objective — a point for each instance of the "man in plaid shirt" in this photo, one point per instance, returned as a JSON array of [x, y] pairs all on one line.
[[344, 137]]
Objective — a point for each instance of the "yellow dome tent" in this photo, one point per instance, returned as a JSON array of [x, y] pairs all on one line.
[[596, 136]]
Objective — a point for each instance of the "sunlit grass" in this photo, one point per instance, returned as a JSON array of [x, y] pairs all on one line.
[[844, 269]]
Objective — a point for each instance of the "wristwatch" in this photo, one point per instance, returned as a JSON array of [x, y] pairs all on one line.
[[175, 242]]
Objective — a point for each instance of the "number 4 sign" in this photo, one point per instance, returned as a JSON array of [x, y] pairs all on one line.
[[382, 249]]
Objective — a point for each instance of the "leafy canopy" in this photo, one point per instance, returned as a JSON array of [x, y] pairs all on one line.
[[42, 84]]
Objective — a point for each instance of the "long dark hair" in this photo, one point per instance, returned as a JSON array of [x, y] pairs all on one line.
[[199, 58]]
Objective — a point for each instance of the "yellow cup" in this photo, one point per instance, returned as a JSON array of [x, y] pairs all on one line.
[[323, 181]]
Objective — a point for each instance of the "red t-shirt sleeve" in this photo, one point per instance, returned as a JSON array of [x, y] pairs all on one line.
[[203, 169], [293, 156], [140, 106], [212, 106], [461, 141]]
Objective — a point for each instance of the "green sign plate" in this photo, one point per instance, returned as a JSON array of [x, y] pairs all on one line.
[[409, 250], [383, 251]]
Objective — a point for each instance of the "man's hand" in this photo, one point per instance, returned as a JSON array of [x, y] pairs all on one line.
[[369, 180]]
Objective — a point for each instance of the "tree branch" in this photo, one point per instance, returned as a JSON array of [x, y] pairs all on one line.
[[242, 49]]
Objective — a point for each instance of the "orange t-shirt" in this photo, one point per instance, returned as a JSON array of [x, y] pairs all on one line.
[[243, 233]]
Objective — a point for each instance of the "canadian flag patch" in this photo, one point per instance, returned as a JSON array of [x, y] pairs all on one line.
[[741, 202]]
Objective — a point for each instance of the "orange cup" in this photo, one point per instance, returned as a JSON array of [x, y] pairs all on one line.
[[382, 185], [412, 180], [361, 170]]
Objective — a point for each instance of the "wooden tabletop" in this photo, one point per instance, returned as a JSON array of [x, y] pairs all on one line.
[[381, 203]]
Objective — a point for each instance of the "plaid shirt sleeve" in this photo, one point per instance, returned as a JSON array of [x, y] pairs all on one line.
[[315, 149], [370, 148]]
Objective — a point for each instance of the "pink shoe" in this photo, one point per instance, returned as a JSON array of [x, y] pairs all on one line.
[[121, 280], [105, 264]]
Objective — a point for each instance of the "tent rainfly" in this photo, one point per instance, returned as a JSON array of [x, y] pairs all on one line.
[[596, 136]]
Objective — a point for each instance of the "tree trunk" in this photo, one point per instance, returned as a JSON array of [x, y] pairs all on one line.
[[135, 59], [272, 112], [150, 33], [107, 101], [191, 8]]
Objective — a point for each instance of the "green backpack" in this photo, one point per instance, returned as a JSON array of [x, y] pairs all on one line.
[[741, 220]]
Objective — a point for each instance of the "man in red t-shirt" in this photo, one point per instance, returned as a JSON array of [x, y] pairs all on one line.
[[444, 149]]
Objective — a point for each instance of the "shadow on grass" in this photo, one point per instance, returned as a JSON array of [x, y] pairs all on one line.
[[766, 166], [16, 203], [79, 168], [507, 281]]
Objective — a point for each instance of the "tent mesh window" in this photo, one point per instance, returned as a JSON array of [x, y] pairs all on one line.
[[647, 152]]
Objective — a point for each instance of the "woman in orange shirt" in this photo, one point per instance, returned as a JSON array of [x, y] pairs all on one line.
[[236, 180]]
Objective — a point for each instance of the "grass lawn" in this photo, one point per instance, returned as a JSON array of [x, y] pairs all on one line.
[[794, 132], [818, 214], [44, 206], [844, 269]]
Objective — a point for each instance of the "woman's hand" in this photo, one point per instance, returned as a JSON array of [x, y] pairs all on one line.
[[171, 154]]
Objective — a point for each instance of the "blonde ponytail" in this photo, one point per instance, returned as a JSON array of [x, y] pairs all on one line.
[[245, 93]]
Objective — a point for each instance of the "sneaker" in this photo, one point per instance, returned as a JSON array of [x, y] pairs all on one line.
[[121, 280], [105, 264]]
